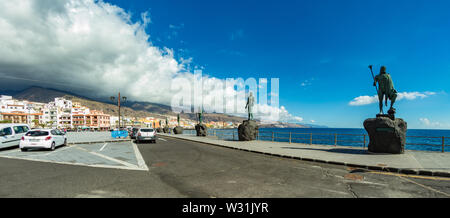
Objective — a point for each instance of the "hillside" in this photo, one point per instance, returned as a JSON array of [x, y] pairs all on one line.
[[133, 108], [130, 108]]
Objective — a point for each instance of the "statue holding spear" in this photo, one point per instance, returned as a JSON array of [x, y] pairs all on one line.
[[385, 89]]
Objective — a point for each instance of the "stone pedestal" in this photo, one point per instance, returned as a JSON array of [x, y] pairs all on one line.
[[387, 134], [166, 130], [178, 130], [201, 130], [248, 130], [159, 130]]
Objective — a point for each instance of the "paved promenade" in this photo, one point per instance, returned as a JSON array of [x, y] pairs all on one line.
[[412, 162], [179, 168]]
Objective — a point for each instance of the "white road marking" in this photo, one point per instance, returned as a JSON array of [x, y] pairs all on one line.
[[125, 165], [114, 160], [162, 139], [76, 164], [103, 147], [139, 158]]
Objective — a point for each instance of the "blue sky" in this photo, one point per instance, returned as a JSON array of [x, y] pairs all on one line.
[[319, 49]]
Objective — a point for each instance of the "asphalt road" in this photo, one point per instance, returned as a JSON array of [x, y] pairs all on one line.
[[187, 169]]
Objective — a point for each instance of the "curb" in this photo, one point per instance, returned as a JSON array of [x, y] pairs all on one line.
[[405, 171]]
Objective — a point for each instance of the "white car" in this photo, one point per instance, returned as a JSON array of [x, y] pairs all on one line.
[[146, 134], [43, 138], [10, 134]]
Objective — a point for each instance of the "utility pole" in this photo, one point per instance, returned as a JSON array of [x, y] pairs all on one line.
[[118, 104]]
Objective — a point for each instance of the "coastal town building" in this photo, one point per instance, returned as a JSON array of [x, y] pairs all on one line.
[[65, 114]]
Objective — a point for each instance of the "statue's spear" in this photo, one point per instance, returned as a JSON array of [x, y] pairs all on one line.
[[370, 67]]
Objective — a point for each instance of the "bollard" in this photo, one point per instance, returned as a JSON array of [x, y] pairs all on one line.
[[364, 145], [290, 137], [443, 144], [335, 139]]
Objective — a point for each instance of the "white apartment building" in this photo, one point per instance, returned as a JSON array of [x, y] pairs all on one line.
[[114, 122], [50, 115], [63, 104]]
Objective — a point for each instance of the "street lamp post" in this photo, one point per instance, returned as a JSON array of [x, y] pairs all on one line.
[[119, 98]]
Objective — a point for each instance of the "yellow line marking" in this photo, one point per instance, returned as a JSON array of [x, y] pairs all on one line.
[[411, 176], [426, 187], [404, 177]]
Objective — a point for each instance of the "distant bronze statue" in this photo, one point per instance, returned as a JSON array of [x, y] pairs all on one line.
[[178, 119], [249, 106], [385, 89], [200, 116], [167, 122]]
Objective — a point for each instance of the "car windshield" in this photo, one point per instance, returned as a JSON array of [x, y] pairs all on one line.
[[146, 130], [37, 133]]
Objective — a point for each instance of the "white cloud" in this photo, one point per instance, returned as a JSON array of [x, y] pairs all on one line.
[[94, 48], [365, 100], [434, 125], [307, 82]]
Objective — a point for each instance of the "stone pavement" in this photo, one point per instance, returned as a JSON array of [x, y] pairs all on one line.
[[412, 162]]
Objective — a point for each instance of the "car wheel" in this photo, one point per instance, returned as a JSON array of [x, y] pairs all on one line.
[[154, 141], [52, 148], [24, 149], [65, 142]]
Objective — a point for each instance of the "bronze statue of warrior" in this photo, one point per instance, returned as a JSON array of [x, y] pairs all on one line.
[[249, 106], [385, 88], [200, 115]]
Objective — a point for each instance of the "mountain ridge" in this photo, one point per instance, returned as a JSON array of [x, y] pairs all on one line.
[[133, 108]]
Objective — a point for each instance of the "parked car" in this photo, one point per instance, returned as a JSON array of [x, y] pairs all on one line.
[[146, 134], [43, 138], [134, 132], [10, 134]]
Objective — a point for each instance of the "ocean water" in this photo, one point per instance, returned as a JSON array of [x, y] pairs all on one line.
[[416, 139]]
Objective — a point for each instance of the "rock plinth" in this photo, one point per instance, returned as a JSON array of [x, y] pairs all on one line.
[[201, 130], [248, 130], [386, 134], [178, 130]]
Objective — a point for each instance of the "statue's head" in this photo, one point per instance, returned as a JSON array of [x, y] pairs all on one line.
[[251, 93], [382, 70]]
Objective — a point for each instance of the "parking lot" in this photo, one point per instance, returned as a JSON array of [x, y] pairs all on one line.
[[119, 155]]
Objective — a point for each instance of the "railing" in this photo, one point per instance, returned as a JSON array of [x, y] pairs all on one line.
[[333, 139]]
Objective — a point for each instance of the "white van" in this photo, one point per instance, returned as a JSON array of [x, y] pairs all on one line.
[[11, 133]]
